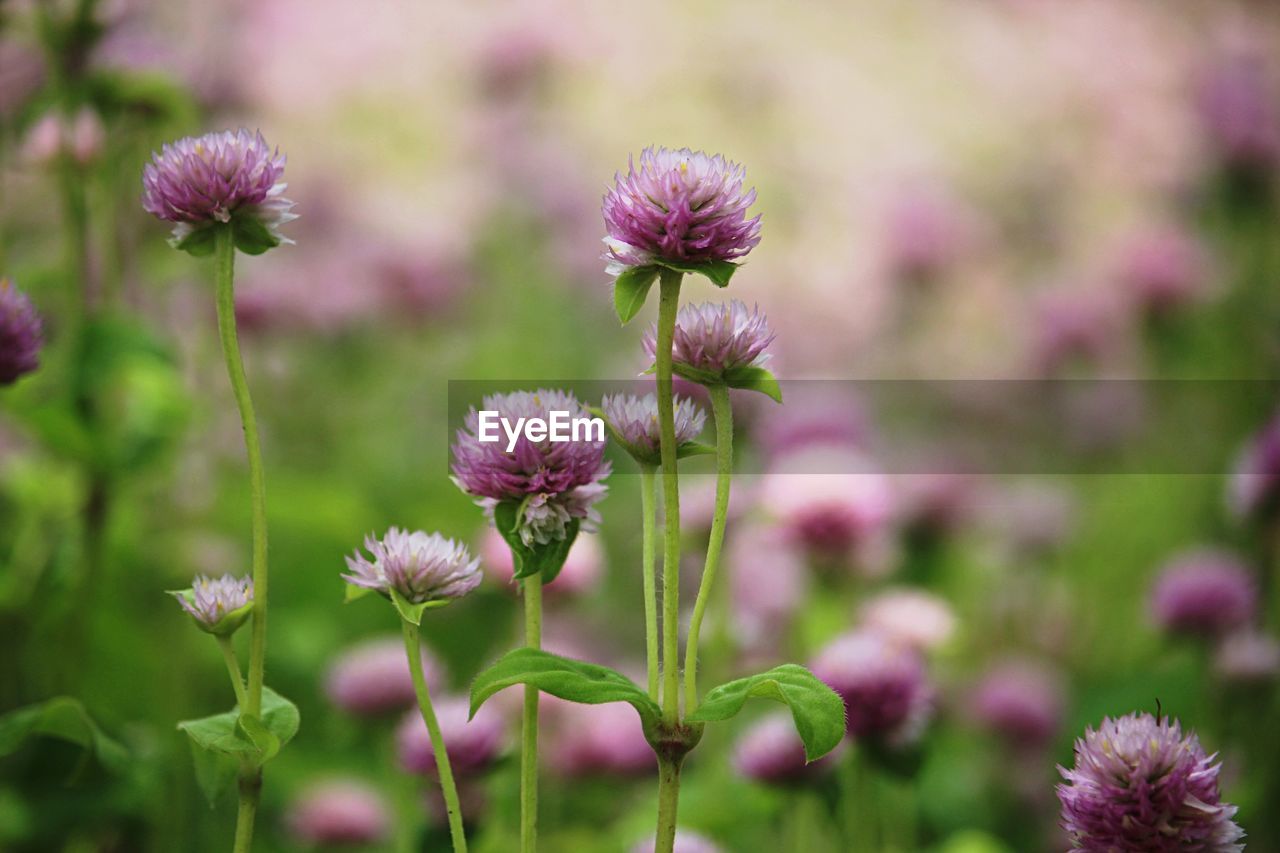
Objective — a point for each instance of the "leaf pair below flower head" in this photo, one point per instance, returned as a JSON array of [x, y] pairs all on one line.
[[817, 711], [528, 560], [631, 287], [250, 234]]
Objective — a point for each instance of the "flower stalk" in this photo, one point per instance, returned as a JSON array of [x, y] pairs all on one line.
[[649, 513], [413, 647], [529, 720], [233, 668], [722, 412], [668, 305]]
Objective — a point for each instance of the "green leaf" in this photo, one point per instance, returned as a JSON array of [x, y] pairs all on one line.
[[754, 379], [529, 560], [355, 593], [630, 289], [244, 738], [199, 243], [694, 374], [572, 680], [717, 272], [695, 448], [251, 235], [215, 771], [817, 710], [64, 718], [411, 612]]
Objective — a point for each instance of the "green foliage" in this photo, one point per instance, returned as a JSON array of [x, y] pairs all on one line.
[[716, 272], [222, 742], [754, 379], [64, 718], [572, 680], [815, 708], [630, 289], [529, 560]]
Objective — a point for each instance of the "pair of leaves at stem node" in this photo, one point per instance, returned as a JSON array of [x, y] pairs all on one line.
[[529, 560], [224, 743], [747, 377], [251, 236], [631, 287], [817, 711]]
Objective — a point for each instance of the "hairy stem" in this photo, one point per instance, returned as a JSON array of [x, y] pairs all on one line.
[[250, 791], [668, 305], [444, 770], [668, 804], [723, 414], [529, 721], [225, 274], [233, 669], [649, 513]]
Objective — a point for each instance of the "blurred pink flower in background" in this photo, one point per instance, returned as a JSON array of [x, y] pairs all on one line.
[[1204, 592], [1021, 700], [372, 677], [1246, 657], [768, 581], [816, 413], [79, 137], [910, 616], [926, 231], [1237, 103], [1073, 331], [590, 740], [884, 685], [935, 503], [830, 501], [770, 751], [1162, 269], [473, 745], [339, 812], [1254, 484], [579, 576], [687, 841]]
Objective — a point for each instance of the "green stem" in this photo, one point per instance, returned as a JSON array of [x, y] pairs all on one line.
[[225, 275], [529, 721], [250, 790], [649, 513], [723, 414], [444, 770], [668, 804], [668, 305], [233, 669]]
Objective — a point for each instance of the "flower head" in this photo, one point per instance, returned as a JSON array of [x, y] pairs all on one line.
[[555, 482], [1140, 784], [472, 744], [1247, 657], [1163, 268], [1020, 700], [771, 752], [372, 678], [687, 841], [339, 812], [200, 181], [883, 684], [715, 337], [421, 567], [21, 334], [1204, 592], [910, 616], [1253, 491], [219, 605], [682, 206], [635, 420]]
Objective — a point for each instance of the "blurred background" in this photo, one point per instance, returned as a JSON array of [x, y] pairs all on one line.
[[1075, 201]]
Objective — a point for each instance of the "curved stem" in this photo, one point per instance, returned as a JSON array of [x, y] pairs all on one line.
[[649, 513], [668, 805], [225, 275], [529, 721], [668, 305], [444, 770], [722, 411], [233, 669]]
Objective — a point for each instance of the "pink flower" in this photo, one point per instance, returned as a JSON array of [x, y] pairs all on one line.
[[372, 678], [339, 812]]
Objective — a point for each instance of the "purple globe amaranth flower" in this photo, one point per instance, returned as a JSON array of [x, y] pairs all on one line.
[[598, 740], [886, 693], [716, 337], [681, 206], [472, 744], [554, 482], [201, 181], [423, 568], [1205, 593], [372, 678], [1020, 700], [1247, 657], [339, 812], [1163, 268], [1139, 784], [219, 605], [21, 334], [770, 751], [910, 616], [635, 420], [1253, 490]]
